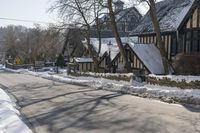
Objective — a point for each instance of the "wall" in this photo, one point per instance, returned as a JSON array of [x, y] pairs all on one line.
[[169, 40]]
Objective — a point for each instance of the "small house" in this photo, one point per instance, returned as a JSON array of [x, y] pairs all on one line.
[[108, 52], [83, 64], [142, 57]]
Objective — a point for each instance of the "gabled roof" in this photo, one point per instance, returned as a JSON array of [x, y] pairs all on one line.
[[170, 14], [114, 47], [150, 56], [121, 14]]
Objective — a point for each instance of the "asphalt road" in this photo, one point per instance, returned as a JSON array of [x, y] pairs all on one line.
[[52, 107]]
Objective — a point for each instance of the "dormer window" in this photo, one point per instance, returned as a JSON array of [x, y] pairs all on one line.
[[119, 5]]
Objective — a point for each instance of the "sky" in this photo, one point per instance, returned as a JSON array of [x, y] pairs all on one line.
[[33, 10]]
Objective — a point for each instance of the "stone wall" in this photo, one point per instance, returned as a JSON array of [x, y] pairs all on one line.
[[183, 84]]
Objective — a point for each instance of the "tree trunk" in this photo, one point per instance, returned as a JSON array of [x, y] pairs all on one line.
[[156, 26], [91, 52], [117, 36], [90, 47], [99, 34]]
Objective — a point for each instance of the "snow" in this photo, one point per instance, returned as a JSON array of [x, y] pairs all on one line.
[[10, 121], [82, 59], [167, 94], [150, 56], [170, 15], [114, 48], [163, 93], [179, 78]]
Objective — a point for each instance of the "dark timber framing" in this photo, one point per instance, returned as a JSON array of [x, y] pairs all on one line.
[[186, 39]]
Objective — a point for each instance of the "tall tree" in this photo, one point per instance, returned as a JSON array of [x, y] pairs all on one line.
[[155, 22], [117, 36], [156, 26]]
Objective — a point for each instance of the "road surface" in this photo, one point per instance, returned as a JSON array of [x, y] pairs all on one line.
[[52, 107]]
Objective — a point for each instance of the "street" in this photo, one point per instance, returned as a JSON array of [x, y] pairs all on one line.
[[53, 107]]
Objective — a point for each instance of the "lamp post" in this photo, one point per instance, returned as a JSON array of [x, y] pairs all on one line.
[[109, 55]]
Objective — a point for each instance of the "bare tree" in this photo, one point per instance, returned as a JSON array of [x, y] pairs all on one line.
[[31, 44], [158, 34], [79, 12], [117, 36], [155, 22]]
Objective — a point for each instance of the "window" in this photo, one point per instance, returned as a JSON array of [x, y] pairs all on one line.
[[173, 48], [195, 41]]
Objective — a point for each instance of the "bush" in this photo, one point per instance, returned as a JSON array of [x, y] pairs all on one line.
[[187, 64]]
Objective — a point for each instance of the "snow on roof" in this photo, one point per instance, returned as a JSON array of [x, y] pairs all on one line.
[[114, 48], [83, 59], [10, 117], [170, 14], [150, 56], [121, 14]]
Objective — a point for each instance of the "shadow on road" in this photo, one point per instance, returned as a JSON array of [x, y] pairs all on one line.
[[58, 107]]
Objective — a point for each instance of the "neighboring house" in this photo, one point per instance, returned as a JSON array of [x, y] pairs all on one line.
[[109, 50], [179, 23], [72, 46], [126, 18], [142, 57], [83, 64]]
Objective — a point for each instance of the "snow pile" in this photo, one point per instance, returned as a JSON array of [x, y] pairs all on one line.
[[167, 94], [107, 74], [15, 71], [163, 93], [9, 116], [179, 78]]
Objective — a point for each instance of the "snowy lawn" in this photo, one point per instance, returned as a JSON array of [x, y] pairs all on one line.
[[10, 121]]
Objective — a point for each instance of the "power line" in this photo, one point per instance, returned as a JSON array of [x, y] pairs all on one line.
[[23, 20]]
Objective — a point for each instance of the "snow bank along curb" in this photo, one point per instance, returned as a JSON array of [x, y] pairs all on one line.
[[183, 82], [9, 116], [170, 95], [166, 94]]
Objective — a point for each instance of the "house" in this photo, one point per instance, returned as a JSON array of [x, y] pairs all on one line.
[[142, 57], [180, 27], [108, 52], [72, 45], [83, 64], [126, 18]]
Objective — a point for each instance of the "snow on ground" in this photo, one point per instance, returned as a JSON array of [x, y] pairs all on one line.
[[10, 121], [179, 78], [167, 94]]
